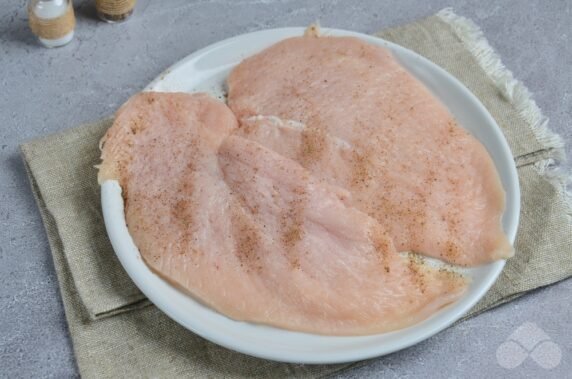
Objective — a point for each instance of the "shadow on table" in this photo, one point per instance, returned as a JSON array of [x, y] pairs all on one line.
[[86, 11], [15, 164], [16, 30]]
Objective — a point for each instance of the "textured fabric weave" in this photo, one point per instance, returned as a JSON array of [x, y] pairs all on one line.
[[116, 332]]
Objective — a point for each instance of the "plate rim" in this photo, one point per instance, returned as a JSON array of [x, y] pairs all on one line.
[[111, 191]]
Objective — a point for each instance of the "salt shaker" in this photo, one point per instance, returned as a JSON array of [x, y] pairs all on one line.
[[53, 21], [113, 11]]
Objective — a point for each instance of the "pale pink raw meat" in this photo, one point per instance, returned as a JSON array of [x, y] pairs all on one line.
[[330, 262], [251, 232], [398, 150]]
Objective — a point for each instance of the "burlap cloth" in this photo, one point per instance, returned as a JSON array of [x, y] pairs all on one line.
[[117, 333]]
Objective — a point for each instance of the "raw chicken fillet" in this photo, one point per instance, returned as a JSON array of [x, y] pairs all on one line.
[[348, 112], [294, 206]]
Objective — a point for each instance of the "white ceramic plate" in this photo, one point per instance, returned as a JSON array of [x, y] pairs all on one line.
[[206, 70]]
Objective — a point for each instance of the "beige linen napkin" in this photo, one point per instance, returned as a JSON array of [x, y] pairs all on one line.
[[116, 332]]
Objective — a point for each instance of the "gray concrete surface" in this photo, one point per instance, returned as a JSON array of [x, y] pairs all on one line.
[[43, 91]]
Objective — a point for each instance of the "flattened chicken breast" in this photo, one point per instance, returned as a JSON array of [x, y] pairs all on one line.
[[254, 234], [352, 115]]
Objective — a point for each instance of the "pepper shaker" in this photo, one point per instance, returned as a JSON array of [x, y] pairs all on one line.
[[52, 21], [113, 11]]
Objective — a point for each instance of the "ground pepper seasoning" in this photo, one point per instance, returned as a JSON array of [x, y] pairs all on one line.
[[113, 11]]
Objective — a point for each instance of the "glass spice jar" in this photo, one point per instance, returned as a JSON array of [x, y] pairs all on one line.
[[52, 21], [113, 11]]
